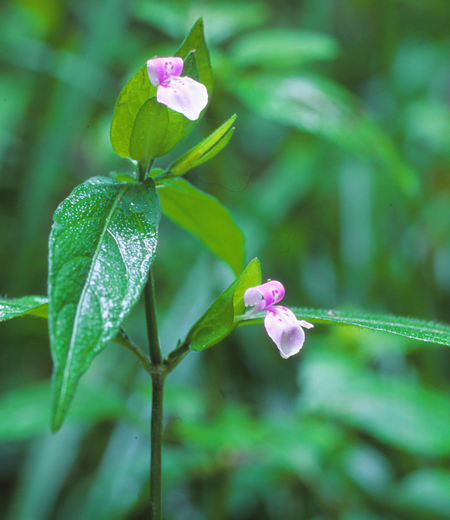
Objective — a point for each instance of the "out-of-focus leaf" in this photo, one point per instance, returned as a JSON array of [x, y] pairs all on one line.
[[102, 245], [34, 305], [426, 491], [396, 411], [218, 320], [316, 105], [408, 327], [25, 412], [205, 217], [205, 150], [222, 20], [282, 48]]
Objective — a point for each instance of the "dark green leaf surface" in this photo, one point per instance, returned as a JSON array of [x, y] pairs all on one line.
[[102, 245], [205, 217], [218, 320], [34, 305], [408, 327], [205, 150]]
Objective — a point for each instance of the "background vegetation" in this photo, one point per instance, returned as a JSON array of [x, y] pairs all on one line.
[[338, 174]]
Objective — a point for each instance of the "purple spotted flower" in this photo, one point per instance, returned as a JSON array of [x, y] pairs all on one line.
[[281, 324], [182, 94]]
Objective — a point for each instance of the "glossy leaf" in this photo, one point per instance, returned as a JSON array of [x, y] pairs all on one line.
[[205, 217], [205, 150], [316, 105], [32, 305], [102, 245], [218, 320], [407, 327], [282, 48]]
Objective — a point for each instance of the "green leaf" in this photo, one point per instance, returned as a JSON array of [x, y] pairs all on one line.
[[139, 128], [156, 131], [33, 305], [407, 327], [102, 245], [218, 320], [205, 150], [316, 105], [205, 217], [196, 42], [133, 95], [282, 48]]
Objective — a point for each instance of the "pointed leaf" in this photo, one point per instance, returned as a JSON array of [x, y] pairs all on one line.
[[196, 42], [408, 327], [205, 217], [34, 305], [102, 245], [205, 150], [218, 320]]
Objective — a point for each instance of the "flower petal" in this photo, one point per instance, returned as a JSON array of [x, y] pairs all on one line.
[[161, 70], [183, 95], [285, 330], [262, 296]]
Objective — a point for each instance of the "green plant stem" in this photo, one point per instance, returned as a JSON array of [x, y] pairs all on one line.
[[123, 339], [156, 443], [152, 326]]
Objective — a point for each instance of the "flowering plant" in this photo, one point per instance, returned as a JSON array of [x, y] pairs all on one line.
[[105, 234]]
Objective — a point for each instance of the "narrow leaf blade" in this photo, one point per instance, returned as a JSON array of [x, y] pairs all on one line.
[[408, 327], [33, 305], [102, 245], [205, 217], [208, 148]]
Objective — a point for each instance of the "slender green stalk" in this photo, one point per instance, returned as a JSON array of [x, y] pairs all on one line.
[[152, 326], [123, 339], [156, 444]]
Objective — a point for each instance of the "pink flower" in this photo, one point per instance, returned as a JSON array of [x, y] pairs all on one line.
[[281, 324], [182, 94]]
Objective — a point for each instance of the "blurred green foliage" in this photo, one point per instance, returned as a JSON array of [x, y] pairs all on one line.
[[339, 175]]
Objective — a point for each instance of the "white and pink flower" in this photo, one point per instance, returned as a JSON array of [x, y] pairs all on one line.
[[281, 324], [180, 93]]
